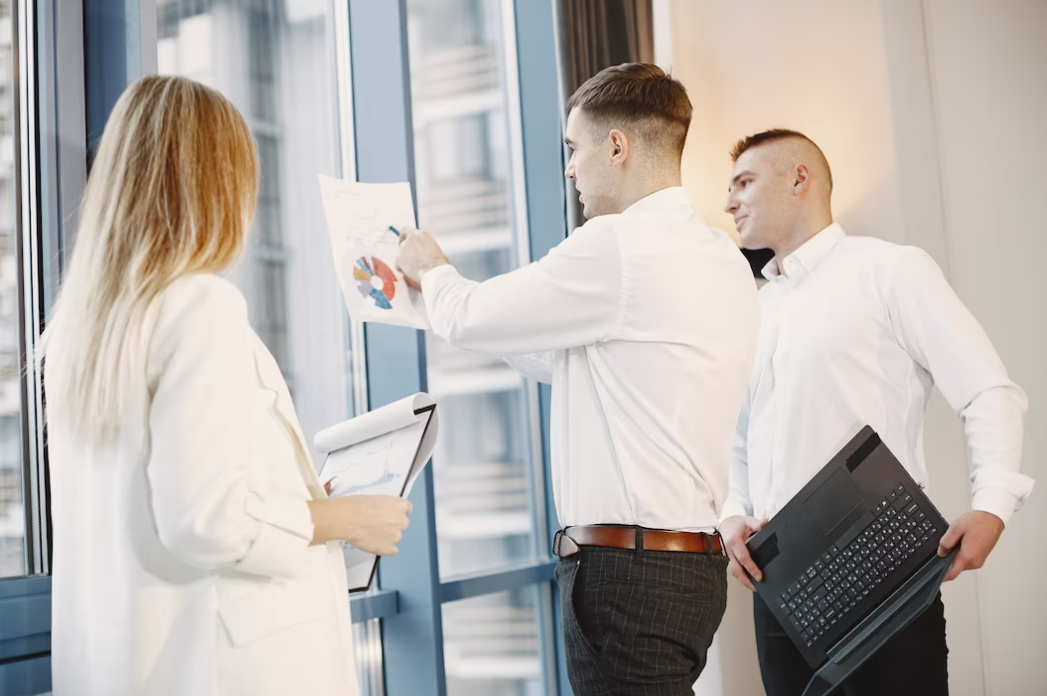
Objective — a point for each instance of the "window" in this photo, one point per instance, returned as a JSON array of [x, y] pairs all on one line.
[[491, 645], [12, 510], [256, 52], [465, 181], [487, 482]]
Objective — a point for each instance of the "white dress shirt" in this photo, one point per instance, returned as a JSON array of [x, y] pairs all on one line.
[[648, 321], [857, 331], [182, 557]]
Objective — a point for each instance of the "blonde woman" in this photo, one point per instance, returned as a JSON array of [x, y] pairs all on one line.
[[190, 530]]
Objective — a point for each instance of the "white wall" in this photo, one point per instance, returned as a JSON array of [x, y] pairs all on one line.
[[928, 113], [762, 64], [989, 76]]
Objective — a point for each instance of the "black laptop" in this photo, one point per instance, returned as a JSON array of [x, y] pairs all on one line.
[[851, 560]]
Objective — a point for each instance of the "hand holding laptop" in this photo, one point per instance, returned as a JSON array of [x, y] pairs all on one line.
[[735, 531], [978, 531]]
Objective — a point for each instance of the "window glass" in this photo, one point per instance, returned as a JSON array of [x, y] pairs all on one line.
[[491, 645], [275, 59], [465, 179], [367, 646], [466, 168]]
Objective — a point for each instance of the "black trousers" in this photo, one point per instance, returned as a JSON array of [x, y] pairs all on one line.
[[639, 622], [914, 663]]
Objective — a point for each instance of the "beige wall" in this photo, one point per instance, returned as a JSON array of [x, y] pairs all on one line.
[[928, 113]]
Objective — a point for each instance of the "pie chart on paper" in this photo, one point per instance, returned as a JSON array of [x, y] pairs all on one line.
[[376, 280]]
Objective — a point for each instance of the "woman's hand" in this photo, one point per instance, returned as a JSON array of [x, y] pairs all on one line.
[[372, 523]]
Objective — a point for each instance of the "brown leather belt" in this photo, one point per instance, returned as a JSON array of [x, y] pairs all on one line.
[[568, 540]]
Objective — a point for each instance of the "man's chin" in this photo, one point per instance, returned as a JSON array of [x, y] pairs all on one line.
[[749, 242]]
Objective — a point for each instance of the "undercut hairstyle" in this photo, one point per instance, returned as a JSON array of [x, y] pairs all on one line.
[[775, 135], [639, 98]]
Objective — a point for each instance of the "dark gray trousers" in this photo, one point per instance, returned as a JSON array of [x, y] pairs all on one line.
[[639, 622], [914, 663]]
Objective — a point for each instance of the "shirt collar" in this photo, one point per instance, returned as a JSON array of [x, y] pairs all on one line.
[[667, 197], [803, 261]]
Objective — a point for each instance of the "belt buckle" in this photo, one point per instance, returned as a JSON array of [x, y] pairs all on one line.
[[563, 545]]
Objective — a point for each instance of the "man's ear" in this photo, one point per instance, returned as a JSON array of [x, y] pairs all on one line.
[[802, 180], [619, 146]]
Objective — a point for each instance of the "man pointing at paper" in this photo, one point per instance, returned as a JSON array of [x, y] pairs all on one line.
[[644, 321]]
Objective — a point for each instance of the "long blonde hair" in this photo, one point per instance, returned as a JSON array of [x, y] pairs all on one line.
[[172, 192]]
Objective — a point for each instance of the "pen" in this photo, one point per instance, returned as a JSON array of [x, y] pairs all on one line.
[[394, 230]]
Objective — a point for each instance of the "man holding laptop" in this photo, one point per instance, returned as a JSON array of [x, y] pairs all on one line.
[[856, 331]]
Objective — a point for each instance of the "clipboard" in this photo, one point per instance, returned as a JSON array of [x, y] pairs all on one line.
[[381, 452]]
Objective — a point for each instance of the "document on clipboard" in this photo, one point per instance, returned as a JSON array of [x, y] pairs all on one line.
[[381, 452]]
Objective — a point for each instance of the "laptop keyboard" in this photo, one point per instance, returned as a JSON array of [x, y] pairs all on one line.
[[858, 562]]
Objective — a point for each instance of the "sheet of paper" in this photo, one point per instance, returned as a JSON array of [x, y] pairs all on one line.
[[364, 470], [363, 221], [379, 421]]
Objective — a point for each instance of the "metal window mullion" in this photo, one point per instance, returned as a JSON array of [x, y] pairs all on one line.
[[503, 580], [370, 650], [384, 147], [27, 213], [541, 121], [120, 38], [525, 254], [347, 145]]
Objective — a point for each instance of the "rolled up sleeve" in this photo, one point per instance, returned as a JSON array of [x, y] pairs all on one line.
[[942, 335]]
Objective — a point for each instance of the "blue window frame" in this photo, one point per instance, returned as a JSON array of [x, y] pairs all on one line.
[[41, 128], [86, 60], [412, 639]]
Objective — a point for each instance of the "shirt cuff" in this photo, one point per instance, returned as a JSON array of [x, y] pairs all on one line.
[[733, 507], [433, 275], [283, 540], [996, 501]]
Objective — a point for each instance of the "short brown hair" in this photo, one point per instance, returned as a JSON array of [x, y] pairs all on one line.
[[631, 94], [773, 135]]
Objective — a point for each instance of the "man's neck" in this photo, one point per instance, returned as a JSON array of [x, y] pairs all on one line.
[[643, 189], [800, 235]]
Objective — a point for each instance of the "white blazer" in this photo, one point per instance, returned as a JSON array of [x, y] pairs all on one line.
[[182, 564]]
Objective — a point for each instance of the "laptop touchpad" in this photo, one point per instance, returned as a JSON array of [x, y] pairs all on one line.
[[833, 500]]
